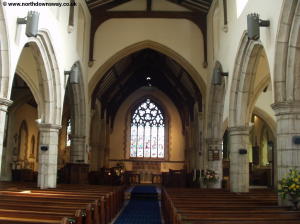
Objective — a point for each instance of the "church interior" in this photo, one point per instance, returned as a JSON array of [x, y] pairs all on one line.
[[150, 111]]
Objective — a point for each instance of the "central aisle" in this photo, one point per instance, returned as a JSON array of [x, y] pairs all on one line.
[[143, 207]]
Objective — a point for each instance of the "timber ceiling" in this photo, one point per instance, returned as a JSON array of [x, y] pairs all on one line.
[[193, 5], [130, 74], [21, 92]]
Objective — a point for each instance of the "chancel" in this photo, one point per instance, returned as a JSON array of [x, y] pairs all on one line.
[[150, 111]]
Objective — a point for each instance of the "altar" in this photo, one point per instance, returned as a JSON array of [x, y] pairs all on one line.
[[147, 170]]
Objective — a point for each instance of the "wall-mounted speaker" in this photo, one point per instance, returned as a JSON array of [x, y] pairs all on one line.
[[253, 24], [32, 23], [242, 151], [217, 75], [296, 140], [44, 148]]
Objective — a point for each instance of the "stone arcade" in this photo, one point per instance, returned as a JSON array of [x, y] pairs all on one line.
[[245, 125]]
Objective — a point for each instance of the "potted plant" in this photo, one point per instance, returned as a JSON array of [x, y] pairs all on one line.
[[289, 187], [209, 177]]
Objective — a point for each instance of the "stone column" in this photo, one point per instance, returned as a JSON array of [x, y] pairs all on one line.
[[4, 104], [214, 150], [239, 162], [287, 152], [77, 149], [200, 152], [76, 172], [48, 152]]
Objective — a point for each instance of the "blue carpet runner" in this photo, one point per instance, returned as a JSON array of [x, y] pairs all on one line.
[[143, 207]]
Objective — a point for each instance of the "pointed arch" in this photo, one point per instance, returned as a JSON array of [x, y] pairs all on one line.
[[216, 98], [49, 76], [267, 118], [154, 46], [242, 87], [48, 92], [78, 102], [4, 56], [287, 53], [78, 117]]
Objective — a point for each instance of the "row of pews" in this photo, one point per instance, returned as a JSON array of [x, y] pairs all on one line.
[[66, 204], [216, 206]]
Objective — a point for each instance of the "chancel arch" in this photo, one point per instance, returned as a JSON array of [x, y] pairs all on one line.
[[149, 72], [155, 46]]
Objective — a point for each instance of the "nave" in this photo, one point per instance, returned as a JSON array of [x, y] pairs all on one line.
[[99, 204]]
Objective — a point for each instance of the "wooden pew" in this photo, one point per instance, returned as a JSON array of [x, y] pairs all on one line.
[[197, 206], [95, 205]]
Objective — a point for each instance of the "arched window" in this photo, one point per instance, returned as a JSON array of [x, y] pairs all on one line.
[[147, 132], [69, 132]]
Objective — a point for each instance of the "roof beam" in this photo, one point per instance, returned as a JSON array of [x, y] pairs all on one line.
[[189, 7], [192, 5], [106, 5]]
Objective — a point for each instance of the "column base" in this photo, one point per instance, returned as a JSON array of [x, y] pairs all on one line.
[[74, 173]]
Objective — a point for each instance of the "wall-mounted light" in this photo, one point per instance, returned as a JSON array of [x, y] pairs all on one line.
[[73, 74], [217, 75], [253, 24], [32, 23]]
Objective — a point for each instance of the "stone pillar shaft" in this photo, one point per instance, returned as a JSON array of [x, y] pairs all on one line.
[[215, 146], [4, 104], [239, 163], [288, 126], [77, 149], [48, 159]]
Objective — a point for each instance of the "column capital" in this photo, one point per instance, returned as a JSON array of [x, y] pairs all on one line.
[[48, 127], [239, 130], [286, 107], [4, 104]]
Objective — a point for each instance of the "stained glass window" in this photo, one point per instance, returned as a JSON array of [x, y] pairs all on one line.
[[147, 135], [69, 128]]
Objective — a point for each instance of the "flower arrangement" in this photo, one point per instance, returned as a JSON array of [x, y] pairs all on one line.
[[119, 169], [290, 186], [209, 176]]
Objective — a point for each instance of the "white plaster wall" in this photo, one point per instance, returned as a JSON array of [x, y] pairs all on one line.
[[180, 35], [227, 51]]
